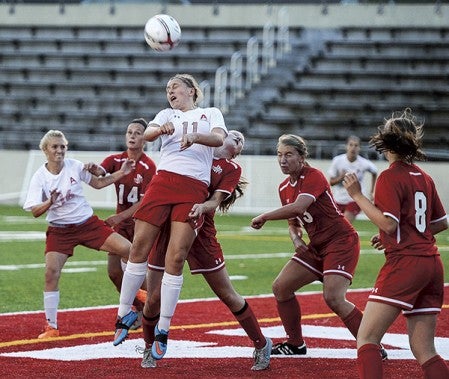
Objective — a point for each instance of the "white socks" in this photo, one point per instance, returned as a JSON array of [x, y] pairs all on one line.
[[170, 291], [51, 303], [133, 278]]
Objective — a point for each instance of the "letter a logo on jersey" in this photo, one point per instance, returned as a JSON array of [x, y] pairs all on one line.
[[72, 181], [203, 117]]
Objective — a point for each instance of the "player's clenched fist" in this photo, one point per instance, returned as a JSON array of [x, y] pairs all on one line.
[[257, 222]]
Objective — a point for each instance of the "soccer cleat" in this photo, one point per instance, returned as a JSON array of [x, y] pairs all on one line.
[[49, 332], [159, 347], [147, 361], [383, 353], [262, 357], [285, 348], [122, 327], [138, 323]]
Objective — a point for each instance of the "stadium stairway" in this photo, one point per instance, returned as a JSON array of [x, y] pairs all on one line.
[[347, 82]]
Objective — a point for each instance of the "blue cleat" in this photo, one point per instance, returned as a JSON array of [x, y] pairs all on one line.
[[159, 347], [122, 327]]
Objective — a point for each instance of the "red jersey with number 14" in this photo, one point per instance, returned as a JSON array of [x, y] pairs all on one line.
[[131, 187], [407, 194], [323, 220]]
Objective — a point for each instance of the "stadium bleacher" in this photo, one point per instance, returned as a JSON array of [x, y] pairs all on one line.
[[89, 81], [359, 77]]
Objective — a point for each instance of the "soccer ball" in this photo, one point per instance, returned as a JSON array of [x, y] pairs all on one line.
[[162, 32]]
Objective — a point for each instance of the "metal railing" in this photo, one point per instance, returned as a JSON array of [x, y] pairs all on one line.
[[275, 44]]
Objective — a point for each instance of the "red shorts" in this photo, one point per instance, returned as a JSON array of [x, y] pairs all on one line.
[[171, 196], [204, 256], [350, 207], [339, 257], [156, 257], [92, 234], [126, 229], [413, 283]]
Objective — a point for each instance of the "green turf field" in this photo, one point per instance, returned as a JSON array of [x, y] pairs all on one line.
[[253, 259]]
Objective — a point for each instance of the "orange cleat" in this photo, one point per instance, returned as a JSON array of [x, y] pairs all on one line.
[[49, 332]]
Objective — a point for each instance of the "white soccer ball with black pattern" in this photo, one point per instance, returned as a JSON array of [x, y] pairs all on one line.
[[162, 32]]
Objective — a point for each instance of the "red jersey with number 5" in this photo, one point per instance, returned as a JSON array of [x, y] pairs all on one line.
[[131, 187], [407, 194], [323, 220]]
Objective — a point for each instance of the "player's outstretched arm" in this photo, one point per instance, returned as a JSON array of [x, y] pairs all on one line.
[[98, 182]]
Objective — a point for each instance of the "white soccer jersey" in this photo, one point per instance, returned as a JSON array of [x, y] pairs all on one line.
[[196, 160], [341, 164], [71, 206]]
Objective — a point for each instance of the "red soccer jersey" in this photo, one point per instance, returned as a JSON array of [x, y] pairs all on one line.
[[131, 187], [408, 195], [323, 220], [225, 175]]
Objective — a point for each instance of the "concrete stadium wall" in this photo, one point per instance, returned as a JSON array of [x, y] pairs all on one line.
[[262, 172], [250, 15]]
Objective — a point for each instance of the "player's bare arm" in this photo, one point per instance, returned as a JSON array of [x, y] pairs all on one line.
[[337, 179], [40, 209], [153, 131], [98, 182], [117, 218], [95, 169], [439, 226], [285, 212], [352, 185], [295, 232], [213, 139], [208, 206]]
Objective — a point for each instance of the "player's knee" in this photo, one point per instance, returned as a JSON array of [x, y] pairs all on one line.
[[278, 290], [52, 274], [175, 259], [333, 300]]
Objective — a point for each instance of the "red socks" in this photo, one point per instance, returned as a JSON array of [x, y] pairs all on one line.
[[353, 320], [148, 325], [290, 314], [369, 362], [250, 325], [435, 368]]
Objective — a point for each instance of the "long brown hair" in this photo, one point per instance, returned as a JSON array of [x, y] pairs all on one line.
[[401, 134], [238, 192]]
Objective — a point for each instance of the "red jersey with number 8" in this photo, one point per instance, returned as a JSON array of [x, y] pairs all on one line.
[[407, 194]]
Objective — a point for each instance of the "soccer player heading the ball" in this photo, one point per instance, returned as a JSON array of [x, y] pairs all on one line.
[[189, 134]]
